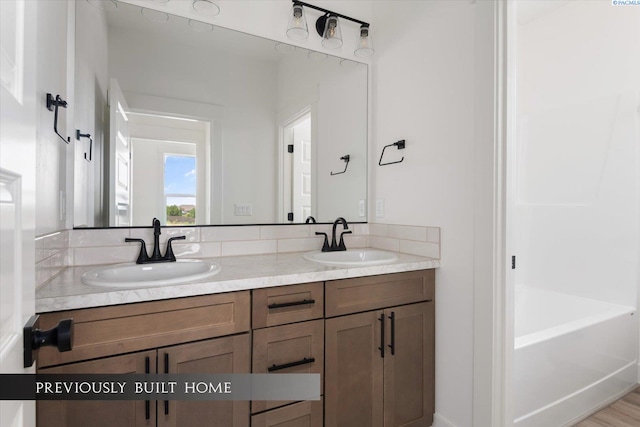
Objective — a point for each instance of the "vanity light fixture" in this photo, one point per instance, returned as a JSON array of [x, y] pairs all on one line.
[[331, 34], [364, 47], [297, 28], [206, 7], [154, 15], [328, 27], [200, 27], [106, 5]]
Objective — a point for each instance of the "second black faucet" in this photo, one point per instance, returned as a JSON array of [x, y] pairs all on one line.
[[143, 257], [335, 246]]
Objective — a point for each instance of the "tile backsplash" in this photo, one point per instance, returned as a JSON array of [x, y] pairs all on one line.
[[52, 255], [106, 246], [409, 239]]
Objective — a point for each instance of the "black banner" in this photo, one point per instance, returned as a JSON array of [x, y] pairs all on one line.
[[292, 387]]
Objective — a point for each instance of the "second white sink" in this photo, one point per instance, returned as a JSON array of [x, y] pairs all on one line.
[[352, 257], [153, 274]]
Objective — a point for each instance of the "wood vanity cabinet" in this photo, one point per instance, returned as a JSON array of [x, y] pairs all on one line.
[[371, 339], [102, 332], [380, 362]]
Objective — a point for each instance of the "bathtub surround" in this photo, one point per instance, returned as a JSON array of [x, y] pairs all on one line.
[[80, 247], [592, 343], [576, 198]]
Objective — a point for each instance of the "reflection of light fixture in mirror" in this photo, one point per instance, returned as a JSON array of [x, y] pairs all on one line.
[[348, 64], [317, 56], [103, 4], [297, 28], [328, 27], [200, 27], [284, 48], [364, 47], [206, 7], [154, 15], [331, 34]]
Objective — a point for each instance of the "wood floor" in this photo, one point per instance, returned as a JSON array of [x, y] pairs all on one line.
[[622, 413]]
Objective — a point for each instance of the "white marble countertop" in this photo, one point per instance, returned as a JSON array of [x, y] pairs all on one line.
[[67, 292]]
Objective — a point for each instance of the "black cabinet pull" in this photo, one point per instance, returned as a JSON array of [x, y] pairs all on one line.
[[166, 371], [381, 348], [392, 346], [147, 404], [292, 364], [291, 304]]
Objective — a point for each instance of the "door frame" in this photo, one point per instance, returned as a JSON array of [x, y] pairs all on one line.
[[284, 139], [493, 245]]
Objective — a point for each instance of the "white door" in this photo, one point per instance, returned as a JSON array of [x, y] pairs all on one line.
[[17, 192], [297, 174], [301, 203], [119, 158]]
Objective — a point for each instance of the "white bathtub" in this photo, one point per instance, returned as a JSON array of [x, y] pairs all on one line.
[[572, 354]]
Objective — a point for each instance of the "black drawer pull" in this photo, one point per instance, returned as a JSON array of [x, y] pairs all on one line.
[[147, 404], [381, 348], [392, 346], [292, 364], [166, 371], [291, 304]]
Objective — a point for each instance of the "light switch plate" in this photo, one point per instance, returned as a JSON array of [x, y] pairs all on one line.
[[361, 208]]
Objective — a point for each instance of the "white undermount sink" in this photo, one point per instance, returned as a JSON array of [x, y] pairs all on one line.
[[153, 274], [351, 257]]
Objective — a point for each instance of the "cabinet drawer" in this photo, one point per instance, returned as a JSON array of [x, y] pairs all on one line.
[[106, 331], [287, 304], [288, 349], [302, 414], [370, 293]]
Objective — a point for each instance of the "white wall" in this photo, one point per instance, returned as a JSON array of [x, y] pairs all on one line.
[[424, 92], [578, 137], [51, 151]]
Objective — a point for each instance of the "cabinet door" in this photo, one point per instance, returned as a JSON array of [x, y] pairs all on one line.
[[126, 413], [229, 355], [409, 366], [353, 370]]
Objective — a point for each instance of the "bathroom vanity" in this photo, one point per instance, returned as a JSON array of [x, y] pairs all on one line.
[[370, 335]]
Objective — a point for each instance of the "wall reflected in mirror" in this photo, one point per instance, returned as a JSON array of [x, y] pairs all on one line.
[[197, 124]]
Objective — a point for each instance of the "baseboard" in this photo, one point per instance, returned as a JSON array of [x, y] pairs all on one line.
[[440, 421]]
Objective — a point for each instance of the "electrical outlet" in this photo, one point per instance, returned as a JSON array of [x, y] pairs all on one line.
[[379, 208], [243, 209], [361, 208]]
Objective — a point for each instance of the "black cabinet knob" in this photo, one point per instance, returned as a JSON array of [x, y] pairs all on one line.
[[60, 337]]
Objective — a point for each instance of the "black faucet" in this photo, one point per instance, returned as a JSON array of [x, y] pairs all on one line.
[[156, 241], [143, 257], [335, 246], [310, 219], [339, 246]]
